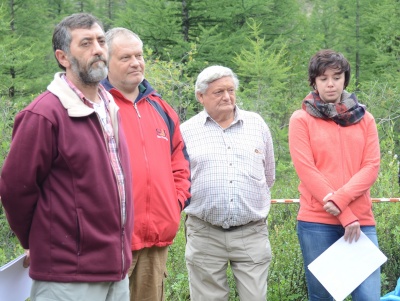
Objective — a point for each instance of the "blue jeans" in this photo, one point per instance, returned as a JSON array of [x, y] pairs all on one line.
[[314, 239]]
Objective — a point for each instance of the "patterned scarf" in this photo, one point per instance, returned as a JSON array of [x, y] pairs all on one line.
[[347, 112]]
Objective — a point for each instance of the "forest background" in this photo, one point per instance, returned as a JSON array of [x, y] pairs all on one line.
[[268, 43]]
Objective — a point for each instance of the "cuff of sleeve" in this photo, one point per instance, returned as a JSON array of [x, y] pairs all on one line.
[[327, 197], [347, 217]]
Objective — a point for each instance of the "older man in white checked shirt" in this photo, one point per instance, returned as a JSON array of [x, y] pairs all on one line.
[[233, 169]]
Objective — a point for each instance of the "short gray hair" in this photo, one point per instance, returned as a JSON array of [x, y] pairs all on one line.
[[118, 32], [212, 73]]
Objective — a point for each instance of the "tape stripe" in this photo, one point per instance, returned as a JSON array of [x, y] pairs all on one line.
[[374, 200]]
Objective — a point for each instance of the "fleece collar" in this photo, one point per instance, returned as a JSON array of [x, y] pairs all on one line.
[[68, 98]]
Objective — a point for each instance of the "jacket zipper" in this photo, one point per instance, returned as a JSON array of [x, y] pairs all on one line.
[[123, 253], [142, 136], [137, 110]]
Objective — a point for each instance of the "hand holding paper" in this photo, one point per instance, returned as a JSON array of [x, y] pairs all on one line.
[[344, 266], [15, 283]]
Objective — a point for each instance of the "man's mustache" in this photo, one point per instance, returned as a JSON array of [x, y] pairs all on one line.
[[97, 59]]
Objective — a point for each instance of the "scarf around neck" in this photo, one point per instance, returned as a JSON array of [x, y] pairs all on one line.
[[345, 113]]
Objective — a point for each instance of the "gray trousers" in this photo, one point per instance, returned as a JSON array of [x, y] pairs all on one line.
[[209, 249], [80, 291]]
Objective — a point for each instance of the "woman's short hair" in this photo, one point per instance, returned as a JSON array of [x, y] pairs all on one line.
[[211, 74], [325, 59]]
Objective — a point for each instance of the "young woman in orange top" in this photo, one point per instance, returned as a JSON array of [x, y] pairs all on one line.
[[334, 146]]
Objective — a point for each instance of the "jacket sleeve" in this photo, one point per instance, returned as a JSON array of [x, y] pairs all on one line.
[[25, 168], [361, 181], [302, 156], [180, 167]]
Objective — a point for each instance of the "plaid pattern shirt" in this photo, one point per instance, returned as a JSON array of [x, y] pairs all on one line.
[[103, 114], [232, 169]]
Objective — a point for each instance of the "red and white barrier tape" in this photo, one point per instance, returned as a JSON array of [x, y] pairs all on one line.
[[374, 200]]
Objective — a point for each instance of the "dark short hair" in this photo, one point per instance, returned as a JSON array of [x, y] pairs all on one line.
[[325, 59], [62, 33]]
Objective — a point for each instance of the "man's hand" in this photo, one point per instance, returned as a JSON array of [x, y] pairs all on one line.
[[27, 259], [352, 232]]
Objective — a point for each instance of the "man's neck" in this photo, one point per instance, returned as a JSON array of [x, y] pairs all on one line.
[[89, 91], [224, 120], [131, 95]]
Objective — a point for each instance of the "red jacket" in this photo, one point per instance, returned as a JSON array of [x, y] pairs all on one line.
[[329, 158], [160, 166], [60, 193]]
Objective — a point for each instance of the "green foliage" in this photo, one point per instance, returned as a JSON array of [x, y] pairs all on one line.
[[177, 287], [387, 184], [387, 216], [163, 17], [170, 79], [23, 51], [264, 74], [6, 122], [382, 20], [286, 279], [286, 183]]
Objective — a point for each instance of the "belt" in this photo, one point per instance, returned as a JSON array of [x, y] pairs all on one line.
[[231, 228]]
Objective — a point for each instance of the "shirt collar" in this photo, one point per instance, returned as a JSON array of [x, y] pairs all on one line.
[[142, 91], [85, 100]]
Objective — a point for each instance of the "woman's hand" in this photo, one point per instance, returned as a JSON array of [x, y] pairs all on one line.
[[352, 232], [329, 205], [331, 208]]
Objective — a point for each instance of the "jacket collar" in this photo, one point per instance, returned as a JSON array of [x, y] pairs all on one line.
[[68, 98], [145, 89], [75, 106]]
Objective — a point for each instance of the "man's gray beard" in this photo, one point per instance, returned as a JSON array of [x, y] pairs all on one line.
[[91, 77], [94, 75]]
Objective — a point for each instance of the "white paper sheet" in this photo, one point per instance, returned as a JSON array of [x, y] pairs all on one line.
[[15, 283], [344, 266]]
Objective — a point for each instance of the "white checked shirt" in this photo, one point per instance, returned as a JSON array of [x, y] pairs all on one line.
[[232, 169]]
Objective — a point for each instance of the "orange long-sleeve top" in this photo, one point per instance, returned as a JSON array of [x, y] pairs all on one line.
[[329, 158]]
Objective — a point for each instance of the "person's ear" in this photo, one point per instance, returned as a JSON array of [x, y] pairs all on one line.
[[200, 97], [62, 58]]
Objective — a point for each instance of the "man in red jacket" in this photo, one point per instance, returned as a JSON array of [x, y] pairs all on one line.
[[160, 167]]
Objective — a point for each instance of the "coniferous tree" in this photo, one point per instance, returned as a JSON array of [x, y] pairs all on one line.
[[25, 69], [382, 35]]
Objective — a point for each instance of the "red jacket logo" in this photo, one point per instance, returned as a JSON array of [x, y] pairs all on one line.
[[162, 134]]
